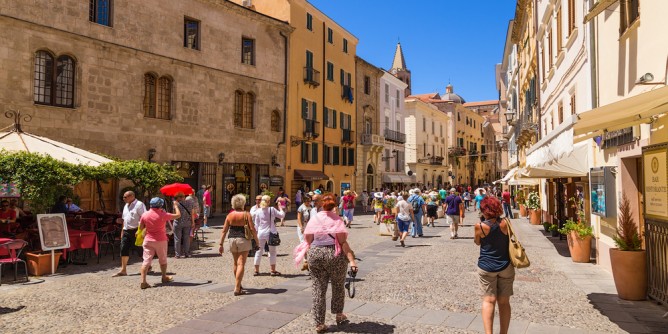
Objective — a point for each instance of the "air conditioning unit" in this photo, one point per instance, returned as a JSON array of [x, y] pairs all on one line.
[[246, 3]]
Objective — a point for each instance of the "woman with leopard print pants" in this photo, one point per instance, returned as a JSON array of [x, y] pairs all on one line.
[[325, 240]]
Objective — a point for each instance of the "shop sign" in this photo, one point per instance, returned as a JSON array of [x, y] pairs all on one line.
[[602, 186], [276, 181], [655, 173]]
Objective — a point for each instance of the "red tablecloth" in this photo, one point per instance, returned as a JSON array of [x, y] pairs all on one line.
[[81, 240], [3, 251]]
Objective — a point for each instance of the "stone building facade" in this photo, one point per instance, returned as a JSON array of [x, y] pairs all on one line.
[[198, 84], [370, 139]]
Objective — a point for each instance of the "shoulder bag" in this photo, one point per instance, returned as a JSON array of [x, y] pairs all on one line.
[[274, 238], [248, 233], [518, 256]]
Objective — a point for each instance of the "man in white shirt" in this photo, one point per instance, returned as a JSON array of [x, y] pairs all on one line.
[[131, 214], [317, 204]]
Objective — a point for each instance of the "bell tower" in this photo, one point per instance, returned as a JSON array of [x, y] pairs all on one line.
[[399, 69]]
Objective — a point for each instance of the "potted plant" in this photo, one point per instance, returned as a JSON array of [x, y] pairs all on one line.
[[389, 204], [554, 230], [520, 200], [579, 240], [533, 204], [629, 267], [547, 226], [387, 226]]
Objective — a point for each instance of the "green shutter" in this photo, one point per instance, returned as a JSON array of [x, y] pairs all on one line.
[[314, 147], [351, 157], [344, 156], [335, 152], [334, 117], [304, 152], [304, 109], [342, 122], [325, 115], [343, 76], [350, 122], [315, 111]]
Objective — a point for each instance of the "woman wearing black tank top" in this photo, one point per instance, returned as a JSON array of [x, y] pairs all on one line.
[[495, 271]]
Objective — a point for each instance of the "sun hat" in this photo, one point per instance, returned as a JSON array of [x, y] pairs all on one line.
[[156, 202], [378, 195], [417, 191], [452, 190]]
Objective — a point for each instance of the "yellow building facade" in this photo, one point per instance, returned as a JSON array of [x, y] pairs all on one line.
[[321, 117]]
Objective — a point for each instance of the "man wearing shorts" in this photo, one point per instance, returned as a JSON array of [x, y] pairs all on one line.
[[132, 212], [404, 217], [454, 212]]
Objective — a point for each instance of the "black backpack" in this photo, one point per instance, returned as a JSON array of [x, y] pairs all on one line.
[[416, 204]]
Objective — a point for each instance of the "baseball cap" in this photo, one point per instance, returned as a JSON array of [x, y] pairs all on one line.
[[156, 202]]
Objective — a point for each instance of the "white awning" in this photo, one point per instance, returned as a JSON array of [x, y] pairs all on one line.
[[638, 109], [559, 159], [17, 141], [511, 179]]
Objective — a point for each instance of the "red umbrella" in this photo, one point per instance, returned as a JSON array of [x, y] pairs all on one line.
[[174, 188]]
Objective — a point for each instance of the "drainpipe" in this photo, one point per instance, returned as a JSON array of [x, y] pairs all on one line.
[[285, 92], [594, 64]]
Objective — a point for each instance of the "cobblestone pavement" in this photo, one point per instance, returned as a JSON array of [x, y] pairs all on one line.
[[427, 287]]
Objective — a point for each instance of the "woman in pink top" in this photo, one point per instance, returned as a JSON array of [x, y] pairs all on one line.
[[206, 198], [153, 223], [325, 240]]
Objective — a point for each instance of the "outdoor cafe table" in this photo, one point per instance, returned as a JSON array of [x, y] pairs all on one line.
[[81, 240]]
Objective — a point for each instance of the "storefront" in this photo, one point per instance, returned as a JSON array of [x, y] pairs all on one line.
[[197, 174], [308, 180], [398, 181], [248, 179]]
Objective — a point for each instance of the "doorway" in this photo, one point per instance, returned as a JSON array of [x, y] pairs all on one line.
[[369, 178]]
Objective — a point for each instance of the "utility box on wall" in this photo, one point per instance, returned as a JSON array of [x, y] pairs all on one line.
[[602, 187]]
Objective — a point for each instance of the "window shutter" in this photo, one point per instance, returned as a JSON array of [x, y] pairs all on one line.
[[350, 79], [304, 153], [344, 156], [325, 116], [342, 121], [343, 76], [325, 154], [304, 109], [334, 118], [314, 147], [351, 157], [350, 122], [315, 111], [335, 151]]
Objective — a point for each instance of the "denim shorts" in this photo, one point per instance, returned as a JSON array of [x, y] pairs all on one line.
[[349, 214], [403, 225]]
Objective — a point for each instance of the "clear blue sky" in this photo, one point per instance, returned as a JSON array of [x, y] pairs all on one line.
[[443, 40]]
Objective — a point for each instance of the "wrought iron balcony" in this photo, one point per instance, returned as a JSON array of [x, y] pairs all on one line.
[[368, 139], [347, 136], [311, 76], [311, 128], [456, 151], [436, 161], [347, 93], [395, 136]]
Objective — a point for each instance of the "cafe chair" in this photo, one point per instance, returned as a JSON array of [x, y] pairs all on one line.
[[14, 248], [106, 239]]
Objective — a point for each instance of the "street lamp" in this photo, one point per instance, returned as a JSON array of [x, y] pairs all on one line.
[[510, 115]]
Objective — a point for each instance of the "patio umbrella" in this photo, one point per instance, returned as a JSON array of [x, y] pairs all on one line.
[[17, 141], [174, 188]]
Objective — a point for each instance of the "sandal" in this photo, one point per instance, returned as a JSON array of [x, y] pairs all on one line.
[[144, 286], [238, 293], [167, 279], [257, 273], [321, 328], [342, 320], [275, 273]]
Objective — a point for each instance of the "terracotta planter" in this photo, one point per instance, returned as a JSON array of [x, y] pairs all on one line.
[[523, 210], [580, 248], [630, 272], [39, 264], [535, 217]]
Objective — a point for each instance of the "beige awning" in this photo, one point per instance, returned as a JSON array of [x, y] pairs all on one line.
[[547, 164], [638, 109], [598, 8], [17, 141], [310, 175], [398, 178]]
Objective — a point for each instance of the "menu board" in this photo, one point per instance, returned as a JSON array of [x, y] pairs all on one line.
[[656, 183], [53, 231]]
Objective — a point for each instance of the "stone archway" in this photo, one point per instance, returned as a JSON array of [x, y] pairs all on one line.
[[370, 178]]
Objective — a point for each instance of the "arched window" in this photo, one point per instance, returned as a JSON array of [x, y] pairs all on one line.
[[238, 108], [275, 121], [149, 94], [249, 110], [54, 81], [164, 98]]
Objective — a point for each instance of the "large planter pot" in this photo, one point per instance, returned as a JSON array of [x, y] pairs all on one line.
[[554, 233], [535, 216], [630, 272], [580, 248], [386, 229], [39, 264], [523, 210]]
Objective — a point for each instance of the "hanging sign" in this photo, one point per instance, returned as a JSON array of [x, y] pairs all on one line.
[[655, 173]]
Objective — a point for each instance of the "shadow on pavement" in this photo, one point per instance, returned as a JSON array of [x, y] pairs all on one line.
[[182, 284], [365, 327], [6, 310], [265, 291], [632, 316], [560, 245]]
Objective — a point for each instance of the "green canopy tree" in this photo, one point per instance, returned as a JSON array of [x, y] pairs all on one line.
[[147, 177]]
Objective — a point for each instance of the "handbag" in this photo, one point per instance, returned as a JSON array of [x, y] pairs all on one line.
[[139, 237], [248, 233], [251, 252], [518, 256], [274, 239]]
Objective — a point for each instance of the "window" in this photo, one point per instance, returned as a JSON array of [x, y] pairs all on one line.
[[329, 116], [573, 104], [559, 33], [433, 125], [309, 153], [345, 45], [367, 126], [309, 21], [386, 157], [398, 128], [387, 93], [330, 36], [424, 149], [164, 98], [248, 51], [309, 59], [387, 122], [54, 80], [542, 61], [560, 113], [157, 96], [326, 155], [441, 126], [275, 121], [345, 121], [100, 12], [397, 98], [191, 34], [330, 71], [424, 124], [629, 13], [149, 94], [309, 110], [244, 108], [571, 16], [344, 156], [335, 155], [351, 157], [549, 48], [367, 85], [460, 142], [459, 117]]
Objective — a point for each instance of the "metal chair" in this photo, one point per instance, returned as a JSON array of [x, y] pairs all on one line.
[[107, 238], [14, 249]]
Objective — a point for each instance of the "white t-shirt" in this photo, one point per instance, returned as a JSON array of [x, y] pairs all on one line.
[[405, 209]]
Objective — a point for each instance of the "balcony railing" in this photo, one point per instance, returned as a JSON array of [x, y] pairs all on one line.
[[347, 136], [436, 161], [311, 128], [368, 139], [395, 136], [311, 76], [347, 93]]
